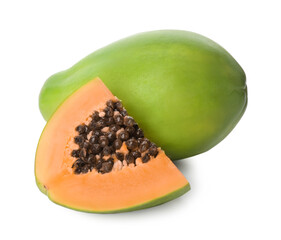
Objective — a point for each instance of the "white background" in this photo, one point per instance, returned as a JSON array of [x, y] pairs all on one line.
[[236, 186]]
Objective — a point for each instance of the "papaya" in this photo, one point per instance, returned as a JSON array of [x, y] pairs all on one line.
[[185, 91], [93, 156]]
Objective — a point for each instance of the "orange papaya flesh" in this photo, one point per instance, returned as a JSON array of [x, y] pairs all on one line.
[[132, 186]]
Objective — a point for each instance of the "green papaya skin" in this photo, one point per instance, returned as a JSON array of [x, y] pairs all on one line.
[[186, 92]]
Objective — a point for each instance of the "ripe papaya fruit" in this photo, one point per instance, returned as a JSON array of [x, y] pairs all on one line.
[[183, 89], [93, 157]]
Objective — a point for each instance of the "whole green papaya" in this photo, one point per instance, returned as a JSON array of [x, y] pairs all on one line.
[[186, 92]]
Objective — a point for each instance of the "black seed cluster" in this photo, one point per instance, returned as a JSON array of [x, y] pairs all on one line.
[[100, 140]]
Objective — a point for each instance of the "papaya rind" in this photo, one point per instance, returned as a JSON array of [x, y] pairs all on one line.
[[41, 186], [168, 197]]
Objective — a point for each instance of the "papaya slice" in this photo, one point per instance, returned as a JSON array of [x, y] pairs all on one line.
[[92, 156]]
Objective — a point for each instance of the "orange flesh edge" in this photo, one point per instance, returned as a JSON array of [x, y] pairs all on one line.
[[94, 191]]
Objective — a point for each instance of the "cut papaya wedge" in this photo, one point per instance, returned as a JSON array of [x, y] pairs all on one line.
[[92, 156]]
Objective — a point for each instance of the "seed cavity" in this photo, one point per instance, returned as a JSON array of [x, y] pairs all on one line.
[[112, 140]]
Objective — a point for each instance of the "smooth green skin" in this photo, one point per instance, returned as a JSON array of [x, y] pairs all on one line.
[[184, 90], [148, 204]]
